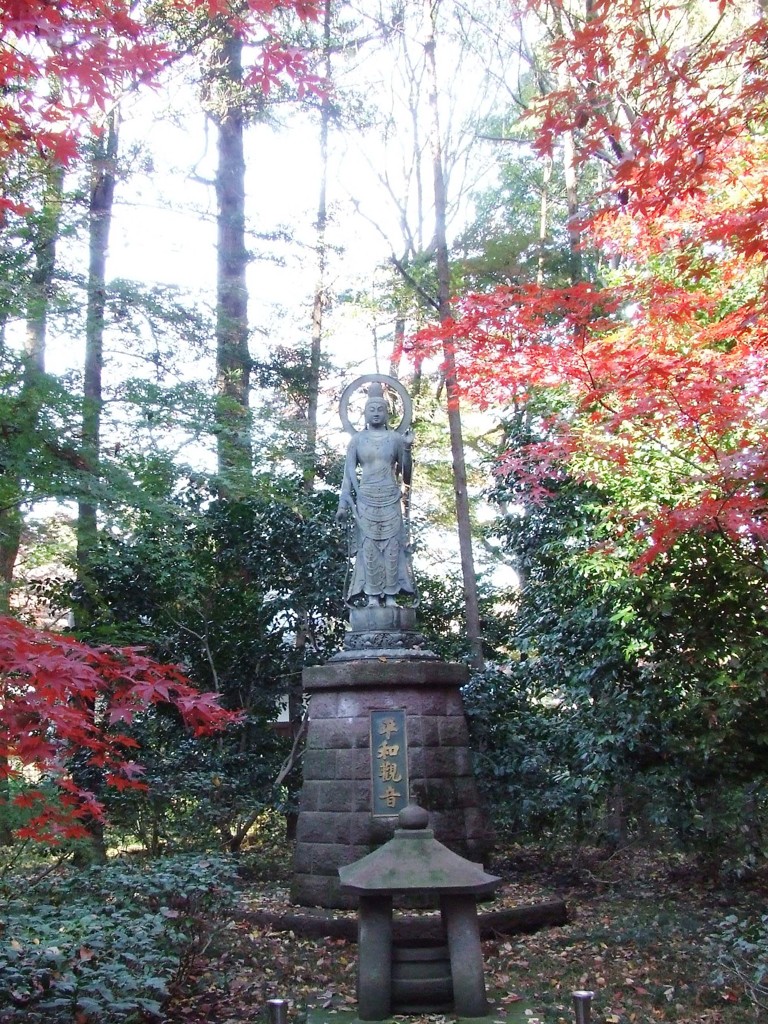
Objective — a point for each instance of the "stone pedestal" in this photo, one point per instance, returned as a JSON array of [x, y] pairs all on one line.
[[336, 823]]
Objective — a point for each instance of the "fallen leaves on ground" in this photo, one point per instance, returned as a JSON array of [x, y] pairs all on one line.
[[636, 938]]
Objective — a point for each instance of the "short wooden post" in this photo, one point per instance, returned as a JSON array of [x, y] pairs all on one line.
[[278, 1011], [582, 1001]]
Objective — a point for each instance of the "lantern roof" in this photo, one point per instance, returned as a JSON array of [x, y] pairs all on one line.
[[414, 860]]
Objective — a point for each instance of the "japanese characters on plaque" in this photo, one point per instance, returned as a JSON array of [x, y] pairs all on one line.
[[389, 762]]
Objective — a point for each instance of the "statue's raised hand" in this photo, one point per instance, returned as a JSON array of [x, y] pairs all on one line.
[[408, 438]]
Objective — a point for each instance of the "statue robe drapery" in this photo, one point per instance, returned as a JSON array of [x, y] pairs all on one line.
[[376, 461]]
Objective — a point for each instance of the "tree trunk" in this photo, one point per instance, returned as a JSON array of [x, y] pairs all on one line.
[[309, 472], [319, 299], [449, 361], [41, 282], [615, 826], [103, 178], [571, 173], [397, 346], [38, 297], [544, 219], [233, 360], [572, 200], [11, 518]]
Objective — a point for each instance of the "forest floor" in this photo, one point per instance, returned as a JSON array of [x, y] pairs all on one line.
[[653, 937]]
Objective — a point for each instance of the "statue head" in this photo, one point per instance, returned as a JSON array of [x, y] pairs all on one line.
[[376, 406], [377, 392]]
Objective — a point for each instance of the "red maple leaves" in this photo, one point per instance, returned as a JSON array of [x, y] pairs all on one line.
[[61, 697], [62, 61], [654, 91], [663, 370]]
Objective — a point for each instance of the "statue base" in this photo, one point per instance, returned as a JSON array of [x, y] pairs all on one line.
[[377, 630], [338, 822]]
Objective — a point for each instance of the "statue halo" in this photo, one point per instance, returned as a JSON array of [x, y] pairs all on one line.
[[382, 378]]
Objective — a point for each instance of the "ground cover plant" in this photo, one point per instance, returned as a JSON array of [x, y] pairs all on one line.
[[108, 943]]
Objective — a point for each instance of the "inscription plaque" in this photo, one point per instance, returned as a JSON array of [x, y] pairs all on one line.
[[389, 763]]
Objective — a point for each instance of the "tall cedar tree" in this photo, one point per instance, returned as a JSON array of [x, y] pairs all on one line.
[[463, 521], [101, 200], [43, 228]]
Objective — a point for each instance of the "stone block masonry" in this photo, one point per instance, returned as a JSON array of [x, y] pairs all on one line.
[[336, 825]]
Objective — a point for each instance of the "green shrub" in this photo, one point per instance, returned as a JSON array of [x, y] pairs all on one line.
[[200, 793], [106, 944]]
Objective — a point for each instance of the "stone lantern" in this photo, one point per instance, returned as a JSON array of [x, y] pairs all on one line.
[[414, 862]]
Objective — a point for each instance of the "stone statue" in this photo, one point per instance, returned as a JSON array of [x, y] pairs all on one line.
[[377, 476]]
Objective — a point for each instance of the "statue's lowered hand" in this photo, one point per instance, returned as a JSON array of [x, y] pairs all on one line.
[[343, 513]]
